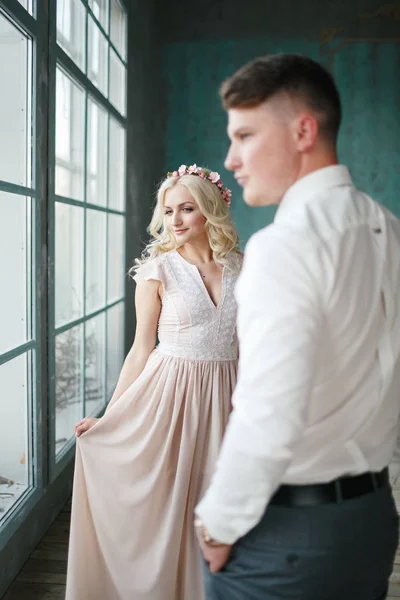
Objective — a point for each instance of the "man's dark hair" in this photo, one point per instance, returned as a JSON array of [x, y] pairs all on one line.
[[297, 76]]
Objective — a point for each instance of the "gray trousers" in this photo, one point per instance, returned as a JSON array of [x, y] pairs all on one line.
[[325, 552]]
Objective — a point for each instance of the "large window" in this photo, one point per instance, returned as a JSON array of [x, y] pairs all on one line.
[[18, 207], [89, 212], [62, 232]]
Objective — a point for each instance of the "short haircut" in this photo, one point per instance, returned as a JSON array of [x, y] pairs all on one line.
[[297, 76]]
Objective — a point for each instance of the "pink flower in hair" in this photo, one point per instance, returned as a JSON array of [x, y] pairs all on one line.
[[182, 170], [214, 176]]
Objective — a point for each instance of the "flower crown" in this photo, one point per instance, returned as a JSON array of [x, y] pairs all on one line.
[[212, 176]]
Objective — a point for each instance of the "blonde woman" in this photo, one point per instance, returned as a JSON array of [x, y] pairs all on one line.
[[141, 469]]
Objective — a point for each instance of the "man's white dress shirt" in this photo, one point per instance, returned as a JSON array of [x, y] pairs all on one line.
[[318, 391]]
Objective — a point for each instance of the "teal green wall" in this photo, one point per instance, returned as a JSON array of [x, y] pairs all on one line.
[[367, 75]]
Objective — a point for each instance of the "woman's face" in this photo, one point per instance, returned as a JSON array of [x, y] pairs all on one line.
[[182, 215]]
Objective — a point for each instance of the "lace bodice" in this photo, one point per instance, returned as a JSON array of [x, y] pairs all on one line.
[[191, 326]]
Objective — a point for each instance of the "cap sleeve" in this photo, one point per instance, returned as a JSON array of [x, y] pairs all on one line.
[[149, 270]]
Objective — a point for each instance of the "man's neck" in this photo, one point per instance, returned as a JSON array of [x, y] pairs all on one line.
[[316, 161]]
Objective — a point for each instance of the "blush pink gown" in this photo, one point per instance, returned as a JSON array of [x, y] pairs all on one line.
[[143, 467]]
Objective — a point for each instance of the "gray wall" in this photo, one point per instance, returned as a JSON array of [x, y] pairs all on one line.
[[216, 19], [145, 144]]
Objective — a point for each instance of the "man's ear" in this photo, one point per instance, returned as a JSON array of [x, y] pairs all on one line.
[[306, 128]]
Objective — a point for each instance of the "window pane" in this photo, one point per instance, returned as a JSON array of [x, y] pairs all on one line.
[[98, 58], [95, 260], [97, 155], [70, 111], [71, 29], [118, 28], [15, 270], [15, 443], [27, 4], [116, 257], [68, 263], [69, 405], [100, 11], [116, 167], [95, 364], [15, 108], [117, 82], [115, 345]]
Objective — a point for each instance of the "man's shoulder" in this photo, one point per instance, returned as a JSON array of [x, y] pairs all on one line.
[[333, 212], [391, 217], [321, 222], [276, 247], [279, 234]]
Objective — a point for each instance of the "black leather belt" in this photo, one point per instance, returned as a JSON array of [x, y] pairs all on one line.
[[335, 491]]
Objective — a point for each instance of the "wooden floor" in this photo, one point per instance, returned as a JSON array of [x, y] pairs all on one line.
[[43, 575]]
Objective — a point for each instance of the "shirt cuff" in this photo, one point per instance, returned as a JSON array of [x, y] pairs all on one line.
[[218, 525]]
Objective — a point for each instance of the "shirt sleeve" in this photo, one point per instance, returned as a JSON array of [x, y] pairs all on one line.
[[279, 314]]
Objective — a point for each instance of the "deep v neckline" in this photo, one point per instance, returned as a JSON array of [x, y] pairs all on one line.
[[203, 285]]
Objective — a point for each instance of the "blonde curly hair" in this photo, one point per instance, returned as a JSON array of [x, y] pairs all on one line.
[[222, 234]]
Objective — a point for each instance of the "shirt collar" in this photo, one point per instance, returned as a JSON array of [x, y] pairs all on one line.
[[309, 186]]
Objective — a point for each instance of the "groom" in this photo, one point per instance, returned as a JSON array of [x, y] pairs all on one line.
[[300, 505]]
